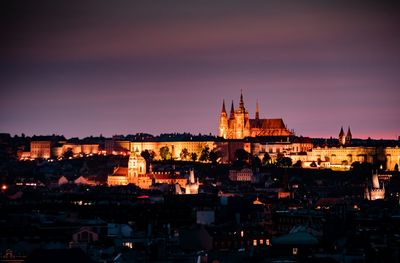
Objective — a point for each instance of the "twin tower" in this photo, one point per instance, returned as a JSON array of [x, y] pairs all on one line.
[[238, 125]]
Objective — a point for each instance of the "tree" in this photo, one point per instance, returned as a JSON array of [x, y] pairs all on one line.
[[242, 155], [266, 159], [164, 153], [205, 154], [147, 155], [184, 154], [193, 156], [284, 161], [213, 156], [68, 153], [298, 164]]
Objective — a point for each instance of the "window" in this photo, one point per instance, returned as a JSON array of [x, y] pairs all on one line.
[[294, 251], [128, 244]]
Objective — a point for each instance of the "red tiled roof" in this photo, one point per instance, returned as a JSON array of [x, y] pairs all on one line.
[[121, 171]]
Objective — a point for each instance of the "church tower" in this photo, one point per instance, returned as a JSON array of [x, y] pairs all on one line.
[[242, 124], [342, 137], [136, 166], [223, 122], [348, 136]]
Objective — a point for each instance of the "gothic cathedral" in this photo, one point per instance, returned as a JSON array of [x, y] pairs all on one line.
[[239, 126]]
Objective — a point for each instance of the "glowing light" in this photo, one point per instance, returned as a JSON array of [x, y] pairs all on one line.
[[4, 187], [128, 244]]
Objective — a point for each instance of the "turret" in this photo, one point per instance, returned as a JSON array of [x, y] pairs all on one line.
[[223, 122], [257, 112]]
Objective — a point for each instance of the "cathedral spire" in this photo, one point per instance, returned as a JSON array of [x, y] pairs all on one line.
[[348, 132], [348, 136], [342, 137], [241, 103], [257, 111], [341, 133], [223, 107], [232, 114]]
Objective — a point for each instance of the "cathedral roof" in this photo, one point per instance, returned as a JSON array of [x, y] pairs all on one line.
[[267, 123]]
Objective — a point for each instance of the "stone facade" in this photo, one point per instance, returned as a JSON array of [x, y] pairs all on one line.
[[239, 125]]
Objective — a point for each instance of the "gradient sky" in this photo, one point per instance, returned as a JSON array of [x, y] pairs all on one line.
[[83, 68]]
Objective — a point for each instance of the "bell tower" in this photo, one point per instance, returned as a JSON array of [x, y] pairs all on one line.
[[223, 122], [136, 166], [342, 137], [348, 136], [242, 125]]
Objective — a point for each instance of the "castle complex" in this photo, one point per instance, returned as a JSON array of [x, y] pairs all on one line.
[[239, 125], [259, 137]]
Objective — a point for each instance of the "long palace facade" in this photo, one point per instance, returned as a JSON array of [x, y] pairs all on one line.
[[237, 131]]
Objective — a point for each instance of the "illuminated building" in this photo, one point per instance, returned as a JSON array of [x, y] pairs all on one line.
[[117, 146], [40, 149], [243, 175], [343, 156], [193, 186], [174, 147], [375, 191], [136, 173], [239, 125], [345, 139], [392, 156]]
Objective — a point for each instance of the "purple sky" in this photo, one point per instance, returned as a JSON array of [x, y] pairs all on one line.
[[83, 68]]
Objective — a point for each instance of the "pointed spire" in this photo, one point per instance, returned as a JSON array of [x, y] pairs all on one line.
[[257, 111], [223, 107], [241, 103], [348, 132], [341, 133], [232, 114]]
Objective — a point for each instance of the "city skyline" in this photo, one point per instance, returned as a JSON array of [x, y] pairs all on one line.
[[131, 67]]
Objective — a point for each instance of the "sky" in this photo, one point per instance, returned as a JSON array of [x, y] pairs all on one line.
[[82, 68]]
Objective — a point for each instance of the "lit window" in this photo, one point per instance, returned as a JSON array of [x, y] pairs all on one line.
[[294, 251], [128, 244], [255, 242], [261, 241], [267, 242]]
